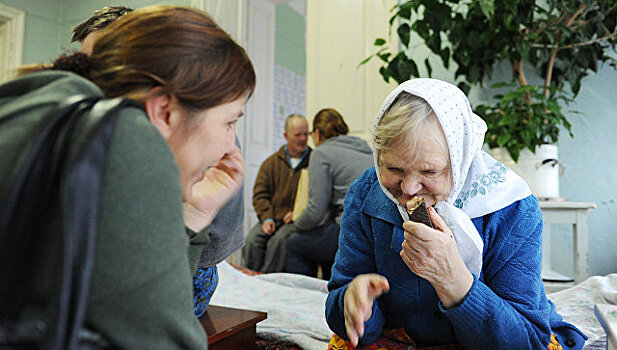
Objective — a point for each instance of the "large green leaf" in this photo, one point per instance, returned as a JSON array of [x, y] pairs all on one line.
[[445, 57], [379, 42], [384, 56], [508, 120], [405, 10], [421, 27], [406, 69], [429, 68], [385, 74], [404, 33], [488, 7], [502, 139]]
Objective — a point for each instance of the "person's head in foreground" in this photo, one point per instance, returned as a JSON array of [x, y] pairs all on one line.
[[194, 102], [86, 32], [474, 279], [328, 123], [296, 134]]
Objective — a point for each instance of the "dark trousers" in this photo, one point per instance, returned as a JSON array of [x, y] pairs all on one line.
[[305, 251], [266, 253]]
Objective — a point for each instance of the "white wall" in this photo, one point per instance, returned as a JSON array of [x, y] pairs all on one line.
[[340, 34]]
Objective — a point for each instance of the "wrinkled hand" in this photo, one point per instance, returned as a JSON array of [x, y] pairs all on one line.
[[288, 217], [268, 227], [220, 183], [358, 301], [433, 255]]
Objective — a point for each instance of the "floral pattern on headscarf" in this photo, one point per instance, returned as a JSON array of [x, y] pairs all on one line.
[[481, 185]]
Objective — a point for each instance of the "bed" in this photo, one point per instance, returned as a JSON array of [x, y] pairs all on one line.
[[296, 304], [576, 305]]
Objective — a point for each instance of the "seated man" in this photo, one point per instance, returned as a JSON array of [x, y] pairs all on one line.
[[274, 194]]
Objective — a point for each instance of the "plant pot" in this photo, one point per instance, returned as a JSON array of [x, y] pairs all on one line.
[[540, 169]]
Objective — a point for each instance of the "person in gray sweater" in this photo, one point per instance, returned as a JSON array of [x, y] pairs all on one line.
[[337, 160], [224, 235], [171, 164]]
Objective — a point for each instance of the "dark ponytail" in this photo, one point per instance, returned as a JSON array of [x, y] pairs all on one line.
[[78, 63]]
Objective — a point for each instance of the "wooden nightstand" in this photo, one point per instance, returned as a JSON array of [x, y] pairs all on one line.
[[231, 329]]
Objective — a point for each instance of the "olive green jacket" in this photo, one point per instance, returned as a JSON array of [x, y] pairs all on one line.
[[141, 290]]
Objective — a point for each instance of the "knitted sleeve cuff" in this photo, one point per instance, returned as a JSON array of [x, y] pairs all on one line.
[[478, 306]]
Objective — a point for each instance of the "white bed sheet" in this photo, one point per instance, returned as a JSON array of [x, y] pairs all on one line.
[[575, 305], [295, 304]]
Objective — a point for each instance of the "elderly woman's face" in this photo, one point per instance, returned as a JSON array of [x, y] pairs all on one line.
[[425, 173]]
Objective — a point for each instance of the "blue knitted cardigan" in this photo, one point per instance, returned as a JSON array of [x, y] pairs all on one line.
[[506, 308]]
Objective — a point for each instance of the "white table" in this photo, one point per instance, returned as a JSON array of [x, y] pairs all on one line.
[[565, 212]]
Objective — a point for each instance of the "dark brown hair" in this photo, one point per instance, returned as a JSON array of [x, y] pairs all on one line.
[[178, 48], [330, 123], [99, 20]]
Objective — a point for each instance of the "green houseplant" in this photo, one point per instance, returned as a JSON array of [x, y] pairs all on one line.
[[558, 41]]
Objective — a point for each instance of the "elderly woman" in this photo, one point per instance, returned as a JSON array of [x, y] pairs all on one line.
[[171, 163], [473, 280], [337, 160]]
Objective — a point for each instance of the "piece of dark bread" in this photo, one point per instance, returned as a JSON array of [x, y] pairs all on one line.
[[417, 211]]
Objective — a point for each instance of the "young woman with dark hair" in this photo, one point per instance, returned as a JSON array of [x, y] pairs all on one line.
[[171, 163]]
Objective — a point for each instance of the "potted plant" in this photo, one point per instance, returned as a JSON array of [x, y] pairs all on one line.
[[550, 47]]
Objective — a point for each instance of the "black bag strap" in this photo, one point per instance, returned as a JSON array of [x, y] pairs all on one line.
[[55, 188]]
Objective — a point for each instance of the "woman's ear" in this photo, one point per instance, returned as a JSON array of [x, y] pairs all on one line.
[[316, 137], [158, 109]]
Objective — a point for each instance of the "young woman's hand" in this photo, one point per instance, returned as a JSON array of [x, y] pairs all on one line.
[[219, 185]]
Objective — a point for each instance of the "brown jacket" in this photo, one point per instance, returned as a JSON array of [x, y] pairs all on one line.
[[275, 188]]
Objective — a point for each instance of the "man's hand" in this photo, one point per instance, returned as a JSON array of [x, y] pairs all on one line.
[[358, 301], [288, 217], [268, 227]]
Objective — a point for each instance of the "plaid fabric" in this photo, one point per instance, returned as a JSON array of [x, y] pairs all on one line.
[[397, 339], [205, 281]]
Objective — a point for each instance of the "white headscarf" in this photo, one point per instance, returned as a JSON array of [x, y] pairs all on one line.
[[481, 185]]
